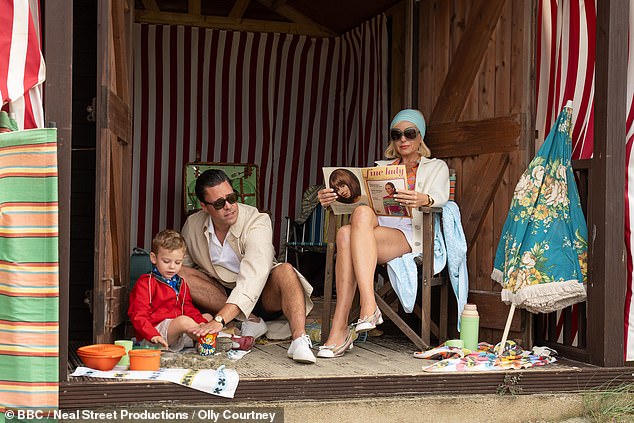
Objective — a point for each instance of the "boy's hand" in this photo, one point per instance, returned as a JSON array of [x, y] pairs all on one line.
[[158, 339]]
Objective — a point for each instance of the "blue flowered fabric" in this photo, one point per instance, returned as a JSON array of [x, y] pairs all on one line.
[[541, 260]]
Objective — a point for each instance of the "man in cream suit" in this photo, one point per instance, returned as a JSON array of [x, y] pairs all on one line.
[[230, 251]]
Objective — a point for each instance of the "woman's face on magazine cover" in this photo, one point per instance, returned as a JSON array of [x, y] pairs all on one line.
[[389, 188], [343, 190]]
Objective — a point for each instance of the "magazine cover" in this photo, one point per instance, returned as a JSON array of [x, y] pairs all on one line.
[[371, 186]]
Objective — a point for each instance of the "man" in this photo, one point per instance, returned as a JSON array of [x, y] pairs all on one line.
[[231, 246]]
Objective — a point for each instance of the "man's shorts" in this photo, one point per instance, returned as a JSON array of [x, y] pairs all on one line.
[[259, 311], [183, 342]]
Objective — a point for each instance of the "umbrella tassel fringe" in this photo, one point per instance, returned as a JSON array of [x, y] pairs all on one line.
[[546, 298]]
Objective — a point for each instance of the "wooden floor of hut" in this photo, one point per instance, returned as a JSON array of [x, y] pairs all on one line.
[[380, 366]]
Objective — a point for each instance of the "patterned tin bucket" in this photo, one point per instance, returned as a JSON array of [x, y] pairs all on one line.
[[207, 344]]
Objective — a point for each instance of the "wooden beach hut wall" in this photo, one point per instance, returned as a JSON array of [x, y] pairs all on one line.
[[467, 65]]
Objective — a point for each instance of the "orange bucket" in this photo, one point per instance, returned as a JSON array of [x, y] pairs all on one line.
[[145, 359]]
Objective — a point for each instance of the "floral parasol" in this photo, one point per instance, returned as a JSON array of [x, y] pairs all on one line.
[[541, 260]]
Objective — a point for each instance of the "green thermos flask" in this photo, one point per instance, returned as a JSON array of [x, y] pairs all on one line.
[[469, 326]]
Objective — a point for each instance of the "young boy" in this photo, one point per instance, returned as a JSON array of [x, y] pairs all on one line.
[[161, 308]]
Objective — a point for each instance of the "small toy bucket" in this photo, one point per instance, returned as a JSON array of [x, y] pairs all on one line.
[[145, 359]]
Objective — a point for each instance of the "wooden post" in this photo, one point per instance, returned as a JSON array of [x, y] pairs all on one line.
[[58, 53], [408, 59], [606, 282], [329, 273]]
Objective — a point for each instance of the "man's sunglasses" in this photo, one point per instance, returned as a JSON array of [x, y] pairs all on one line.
[[410, 133], [220, 203]]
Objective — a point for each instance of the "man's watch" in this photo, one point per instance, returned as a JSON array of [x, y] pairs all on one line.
[[219, 319]]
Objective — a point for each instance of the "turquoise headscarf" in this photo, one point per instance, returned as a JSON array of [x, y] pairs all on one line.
[[413, 116]]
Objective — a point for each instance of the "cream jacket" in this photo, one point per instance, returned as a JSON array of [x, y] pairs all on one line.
[[251, 237], [432, 177]]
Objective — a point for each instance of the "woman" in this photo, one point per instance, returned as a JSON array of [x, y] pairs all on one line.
[[346, 185], [391, 205], [390, 189], [369, 239]]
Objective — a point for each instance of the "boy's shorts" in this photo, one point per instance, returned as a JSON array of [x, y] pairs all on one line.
[[183, 342]]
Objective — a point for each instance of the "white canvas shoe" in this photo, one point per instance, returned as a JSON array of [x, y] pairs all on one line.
[[300, 350], [254, 329]]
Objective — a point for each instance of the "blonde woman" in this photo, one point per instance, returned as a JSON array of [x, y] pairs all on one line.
[[369, 239]]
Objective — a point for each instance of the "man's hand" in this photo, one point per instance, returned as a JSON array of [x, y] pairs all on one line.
[[206, 328], [158, 339]]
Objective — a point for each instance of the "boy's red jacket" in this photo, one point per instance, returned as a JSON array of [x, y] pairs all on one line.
[[152, 301]]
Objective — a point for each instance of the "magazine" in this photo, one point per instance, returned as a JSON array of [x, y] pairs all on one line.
[[370, 186]]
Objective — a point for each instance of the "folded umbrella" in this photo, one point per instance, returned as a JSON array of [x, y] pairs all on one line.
[[541, 259]]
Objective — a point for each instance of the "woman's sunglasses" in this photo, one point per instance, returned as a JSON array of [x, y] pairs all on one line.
[[410, 133], [220, 203]]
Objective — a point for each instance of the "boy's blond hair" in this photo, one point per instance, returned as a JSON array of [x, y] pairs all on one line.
[[169, 240]]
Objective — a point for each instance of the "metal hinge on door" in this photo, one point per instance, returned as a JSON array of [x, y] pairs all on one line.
[[114, 303]]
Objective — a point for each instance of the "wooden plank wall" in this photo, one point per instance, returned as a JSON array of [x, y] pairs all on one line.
[[502, 87]]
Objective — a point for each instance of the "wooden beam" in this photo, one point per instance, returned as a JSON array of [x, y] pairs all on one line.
[[250, 25], [290, 13], [471, 138], [238, 9], [408, 71], [150, 5], [193, 7], [117, 117], [483, 183], [58, 15], [607, 281], [467, 59]]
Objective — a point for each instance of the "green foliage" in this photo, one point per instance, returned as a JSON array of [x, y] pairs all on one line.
[[610, 404], [510, 385]]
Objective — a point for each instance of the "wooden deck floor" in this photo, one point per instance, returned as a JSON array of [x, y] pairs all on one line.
[[381, 366], [378, 356]]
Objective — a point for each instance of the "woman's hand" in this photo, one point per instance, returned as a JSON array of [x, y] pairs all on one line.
[[327, 196], [412, 198]]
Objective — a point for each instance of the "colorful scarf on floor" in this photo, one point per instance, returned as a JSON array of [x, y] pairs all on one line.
[[485, 359]]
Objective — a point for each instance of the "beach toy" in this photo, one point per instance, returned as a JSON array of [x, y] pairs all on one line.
[[145, 359], [127, 344], [207, 344], [101, 356]]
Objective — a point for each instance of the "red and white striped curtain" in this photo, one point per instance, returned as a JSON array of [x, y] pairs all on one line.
[[290, 104], [22, 68], [629, 195], [566, 40]]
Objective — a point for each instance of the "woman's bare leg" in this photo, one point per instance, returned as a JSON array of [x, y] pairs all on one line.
[[355, 266], [346, 287], [363, 249], [371, 244]]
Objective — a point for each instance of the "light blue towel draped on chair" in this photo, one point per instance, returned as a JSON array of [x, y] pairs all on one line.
[[450, 247]]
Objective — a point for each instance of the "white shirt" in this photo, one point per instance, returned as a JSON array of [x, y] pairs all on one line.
[[221, 254]]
